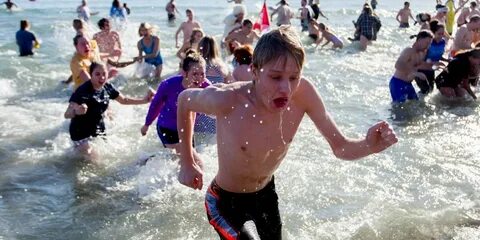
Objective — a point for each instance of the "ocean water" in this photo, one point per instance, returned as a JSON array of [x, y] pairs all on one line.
[[425, 187]]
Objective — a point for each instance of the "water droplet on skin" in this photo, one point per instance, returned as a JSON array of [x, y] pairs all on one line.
[[233, 107], [246, 105], [181, 130], [246, 143], [241, 118], [248, 70], [248, 91], [228, 122], [261, 121], [180, 141], [164, 134], [288, 108], [261, 70], [225, 117], [253, 115], [188, 99], [244, 190]]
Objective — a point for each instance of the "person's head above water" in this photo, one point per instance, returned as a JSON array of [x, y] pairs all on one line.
[[24, 25], [277, 44], [193, 69]]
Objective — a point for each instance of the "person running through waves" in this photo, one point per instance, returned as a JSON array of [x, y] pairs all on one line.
[[256, 123], [88, 105]]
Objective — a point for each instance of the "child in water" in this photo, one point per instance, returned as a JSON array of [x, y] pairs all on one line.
[[164, 104], [256, 123], [329, 36], [87, 106]]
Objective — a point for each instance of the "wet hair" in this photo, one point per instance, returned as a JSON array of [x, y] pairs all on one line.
[[406, 3], [146, 26], [368, 10], [194, 32], [77, 24], [278, 43], [192, 58], [247, 22], [94, 65], [116, 3], [77, 38], [101, 23], [473, 4], [208, 48], [322, 26], [283, 2], [423, 17], [189, 11], [243, 54], [435, 25], [422, 34], [23, 24]]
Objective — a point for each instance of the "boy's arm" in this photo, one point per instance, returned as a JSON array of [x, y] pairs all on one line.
[[212, 101], [379, 137], [176, 35]]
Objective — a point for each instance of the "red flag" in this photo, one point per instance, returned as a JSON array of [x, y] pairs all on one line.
[[263, 21]]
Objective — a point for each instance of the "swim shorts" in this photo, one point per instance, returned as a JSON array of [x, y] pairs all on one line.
[[401, 90], [228, 212]]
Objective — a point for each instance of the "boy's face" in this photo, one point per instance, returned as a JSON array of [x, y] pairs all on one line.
[[276, 82]]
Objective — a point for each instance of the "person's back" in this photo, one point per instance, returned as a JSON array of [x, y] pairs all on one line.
[[25, 39], [284, 15]]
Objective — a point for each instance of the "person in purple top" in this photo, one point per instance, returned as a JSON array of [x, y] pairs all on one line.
[[164, 104]]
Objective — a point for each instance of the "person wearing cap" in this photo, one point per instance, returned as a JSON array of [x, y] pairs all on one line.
[[403, 15], [233, 21], [464, 35]]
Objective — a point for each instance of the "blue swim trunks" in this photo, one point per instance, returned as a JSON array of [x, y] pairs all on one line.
[[402, 90]]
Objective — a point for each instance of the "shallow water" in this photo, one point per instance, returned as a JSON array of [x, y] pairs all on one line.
[[425, 187]]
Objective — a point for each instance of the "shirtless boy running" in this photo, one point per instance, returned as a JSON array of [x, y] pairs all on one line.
[[256, 122]]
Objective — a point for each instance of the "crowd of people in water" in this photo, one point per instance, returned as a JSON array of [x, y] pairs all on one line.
[[260, 98]]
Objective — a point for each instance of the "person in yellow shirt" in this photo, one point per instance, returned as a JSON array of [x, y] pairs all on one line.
[[81, 60]]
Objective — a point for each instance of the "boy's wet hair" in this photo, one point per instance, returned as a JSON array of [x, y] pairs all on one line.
[[422, 34], [77, 38], [192, 58], [23, 24], [94, 65], [247, 22], [101, 22], [278, 43], [243, 54], [77, 24]]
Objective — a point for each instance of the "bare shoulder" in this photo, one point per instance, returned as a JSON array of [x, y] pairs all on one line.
[[220, 98], [306, 94]]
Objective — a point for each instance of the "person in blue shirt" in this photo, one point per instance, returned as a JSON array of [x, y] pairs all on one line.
[[26, 39], [117, 11], [433, 57]]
